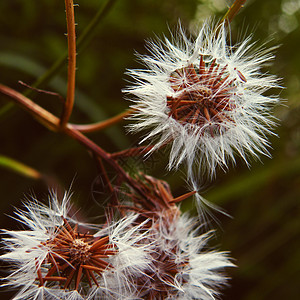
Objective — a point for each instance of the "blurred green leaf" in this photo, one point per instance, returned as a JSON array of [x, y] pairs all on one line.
[[18, 167]]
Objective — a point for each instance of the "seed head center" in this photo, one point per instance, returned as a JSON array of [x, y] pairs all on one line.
[[79, 251], [158, 282], [201, 95]]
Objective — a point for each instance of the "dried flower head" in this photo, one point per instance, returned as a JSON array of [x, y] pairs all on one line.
[[181, 267], [57, 259], [205, 97], [153, 199], [74, 257]]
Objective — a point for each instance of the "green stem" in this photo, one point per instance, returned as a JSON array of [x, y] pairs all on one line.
[[6, 108], [90, 30], [18, 167], [233, 10]]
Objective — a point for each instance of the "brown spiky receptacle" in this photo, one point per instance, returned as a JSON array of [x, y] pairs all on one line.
[[202, 96], [182, 267], [53, 258], [205, 98], [74, 257], [153, 201]]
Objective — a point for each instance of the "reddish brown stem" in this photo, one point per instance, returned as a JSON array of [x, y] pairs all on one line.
[[68, 107], [39, 113], [103, 124], [53, 123], [106, 180]]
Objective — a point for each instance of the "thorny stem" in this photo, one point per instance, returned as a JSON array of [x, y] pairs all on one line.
[[87, 34], [68, 106], [53, 123], [103, 124], [233, 10]]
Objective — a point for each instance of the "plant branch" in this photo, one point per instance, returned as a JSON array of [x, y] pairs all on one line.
[[53, 123], [103, 124], [68, 106], [88, 33], [142, 150], [39, 113], [233, 10]]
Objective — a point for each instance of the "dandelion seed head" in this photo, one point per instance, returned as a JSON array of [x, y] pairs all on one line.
[[182, 266], [202, 97], [205, 98], [55, 256], [79, 251]]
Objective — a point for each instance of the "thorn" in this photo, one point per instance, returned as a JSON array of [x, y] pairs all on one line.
[[183, 197], [99, 243]]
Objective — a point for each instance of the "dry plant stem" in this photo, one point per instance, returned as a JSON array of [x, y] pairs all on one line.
[[142, 150], [53, 123], [105, 176], [106, 179], [67, 110], [39, 113], [70, 131], [42, 91], [87, 34], [233, 10], [103, 124]]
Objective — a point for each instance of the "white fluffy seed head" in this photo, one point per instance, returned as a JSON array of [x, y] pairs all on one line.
[[29, 252], [189, 270], [26, 249], [131, 260], [169, 244], [205, 97]]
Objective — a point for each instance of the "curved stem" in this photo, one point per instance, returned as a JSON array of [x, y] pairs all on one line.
[[103, 124], [53, 123], [68, 106]]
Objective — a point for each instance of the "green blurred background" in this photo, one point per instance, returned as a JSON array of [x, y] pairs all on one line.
[[263, 235]]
